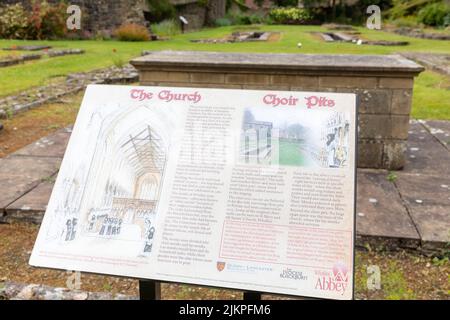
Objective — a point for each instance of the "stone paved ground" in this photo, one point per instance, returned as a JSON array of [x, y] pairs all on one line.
[[403, 209]]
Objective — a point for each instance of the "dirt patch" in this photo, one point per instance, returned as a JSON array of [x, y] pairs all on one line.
[[25, 128], [403, 276]]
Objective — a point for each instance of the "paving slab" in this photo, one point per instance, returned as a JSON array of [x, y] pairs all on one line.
[[439, 129], [428, 200], [31, 207], [19, 175], [53, 145], [380, 210], [424, 153]]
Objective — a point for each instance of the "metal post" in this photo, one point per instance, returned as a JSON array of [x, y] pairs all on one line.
[[149, 290], [252, 295]]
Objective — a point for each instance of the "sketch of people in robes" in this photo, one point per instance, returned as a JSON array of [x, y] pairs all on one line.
[[92, 219], [149, 233], [331, 147], [74, 230], [104, 226], [68, 229]]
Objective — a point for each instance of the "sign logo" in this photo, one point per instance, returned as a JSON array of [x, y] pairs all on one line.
[[335, 281], [220, 266], [293, 274]]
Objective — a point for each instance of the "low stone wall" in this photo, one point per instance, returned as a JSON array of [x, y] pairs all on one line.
[[384, 85]]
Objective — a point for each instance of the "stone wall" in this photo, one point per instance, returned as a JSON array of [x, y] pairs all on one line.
[[107, 15], [384, 85], [102, 15]]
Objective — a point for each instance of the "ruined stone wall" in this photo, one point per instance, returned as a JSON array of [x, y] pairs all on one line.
[[99, 15]]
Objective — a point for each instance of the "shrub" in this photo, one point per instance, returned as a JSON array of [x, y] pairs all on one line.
[[132, 32], [240, 18], [434, 14], [406, 22], [223, 22], [256, 19], [13, 22], [160, 10], [47, 21], [166, 28], [447, 20], [289, 15]]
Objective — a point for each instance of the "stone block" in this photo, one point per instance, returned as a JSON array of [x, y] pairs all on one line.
[[370, 154], [311, 82], [396, 83], [372, 101], [401, 101], [242, 78], [347, 82], [393, 155], [164, 76], [214, 86], [373, 126], [207, 77], [399, 127], [266, 87]]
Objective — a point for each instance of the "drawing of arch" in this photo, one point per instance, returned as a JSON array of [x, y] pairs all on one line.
[[128, 164]]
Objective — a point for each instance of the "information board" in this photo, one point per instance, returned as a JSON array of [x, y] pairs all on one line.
[[244, 189]]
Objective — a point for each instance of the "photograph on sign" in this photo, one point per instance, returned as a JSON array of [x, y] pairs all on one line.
[[244, 189]]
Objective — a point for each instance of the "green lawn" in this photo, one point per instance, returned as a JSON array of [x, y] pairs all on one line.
[[431, 96], [290, 154]]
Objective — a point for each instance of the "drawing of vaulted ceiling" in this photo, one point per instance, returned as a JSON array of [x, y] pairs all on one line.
[[145, 152]]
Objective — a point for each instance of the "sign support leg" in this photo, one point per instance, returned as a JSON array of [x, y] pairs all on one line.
[[252, 295], [149, 290]]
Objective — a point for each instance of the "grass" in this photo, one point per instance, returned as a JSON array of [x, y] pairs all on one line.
[[431, 96]]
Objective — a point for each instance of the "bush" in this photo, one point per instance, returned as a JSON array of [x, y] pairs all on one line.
[[256, 19], [406, 22], [166, 28], [160, 10], [434, 14], [289, 16], [13, 22], [132, 32], [447, 20], [240, 18], [47, 21], [223, 22]]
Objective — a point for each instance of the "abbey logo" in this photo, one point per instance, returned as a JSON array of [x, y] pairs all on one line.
[[336, 281], [220, 266]]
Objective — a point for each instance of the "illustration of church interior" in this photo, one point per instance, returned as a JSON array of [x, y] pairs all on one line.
[[130, 182]]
